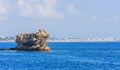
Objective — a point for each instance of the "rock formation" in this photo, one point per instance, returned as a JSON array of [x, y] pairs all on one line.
[[32, 41]]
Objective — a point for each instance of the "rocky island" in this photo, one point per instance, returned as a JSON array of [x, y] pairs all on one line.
[[31, 41]]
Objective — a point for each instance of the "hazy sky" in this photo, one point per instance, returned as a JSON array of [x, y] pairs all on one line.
[[61, 18]]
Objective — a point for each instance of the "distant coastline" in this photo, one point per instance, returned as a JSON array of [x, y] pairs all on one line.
[[83, 41], [109, 39], [8, 41], [67, 41]]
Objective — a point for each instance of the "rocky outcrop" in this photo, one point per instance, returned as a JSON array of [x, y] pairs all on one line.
[[32, 41]]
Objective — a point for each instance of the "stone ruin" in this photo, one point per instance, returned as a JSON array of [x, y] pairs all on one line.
[[32, 41]]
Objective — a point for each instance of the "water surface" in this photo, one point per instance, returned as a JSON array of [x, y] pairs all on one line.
[[63, 56]]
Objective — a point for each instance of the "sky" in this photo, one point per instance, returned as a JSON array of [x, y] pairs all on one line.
[[61, 18]]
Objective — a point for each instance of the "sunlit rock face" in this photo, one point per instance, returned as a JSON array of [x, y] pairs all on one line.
[[32, 41]]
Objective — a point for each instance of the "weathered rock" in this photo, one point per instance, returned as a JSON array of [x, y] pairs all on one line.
[[32, 41]]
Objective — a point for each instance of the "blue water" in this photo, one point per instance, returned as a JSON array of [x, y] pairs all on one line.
[[64, 56]]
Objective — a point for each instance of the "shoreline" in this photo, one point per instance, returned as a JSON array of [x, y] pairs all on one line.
[[66, 41], [84, 41]]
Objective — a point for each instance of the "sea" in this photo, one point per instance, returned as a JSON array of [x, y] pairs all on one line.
[[63, 56]]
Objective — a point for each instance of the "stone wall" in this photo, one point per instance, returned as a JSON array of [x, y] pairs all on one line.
[[32, 41]]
